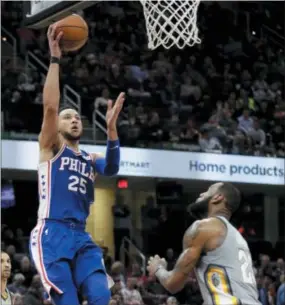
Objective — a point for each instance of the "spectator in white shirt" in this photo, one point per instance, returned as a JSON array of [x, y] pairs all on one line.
[[257, 134], [245, 122], [131, 296], [208, 143], [103, 99]]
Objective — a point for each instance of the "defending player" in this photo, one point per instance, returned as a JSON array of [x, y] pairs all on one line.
[[6, 296], [216, 250], [64, 254]]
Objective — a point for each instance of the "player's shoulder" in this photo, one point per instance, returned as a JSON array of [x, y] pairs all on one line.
[[207, 223], [96, 156], [204, 228]]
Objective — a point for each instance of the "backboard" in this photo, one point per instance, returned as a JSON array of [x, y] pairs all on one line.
[[41, 13]]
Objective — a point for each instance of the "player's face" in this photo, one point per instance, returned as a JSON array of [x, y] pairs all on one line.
[[199, 209], [5, 266], [70, 125]]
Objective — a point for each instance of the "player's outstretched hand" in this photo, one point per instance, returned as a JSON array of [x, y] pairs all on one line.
[[53, 41], [154, 263], [114, 111]]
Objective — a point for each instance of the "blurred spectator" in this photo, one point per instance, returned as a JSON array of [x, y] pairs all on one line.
[[103, 99], [131, 296], [117, 273], [281, 291], [257, 135], [171, 301], [107, 258], [17, 284], [122, 222], [153, 292], [27, 270], [209, 143], [245, 121], [34, 295], [11, 250], [170, 259], [149, 216]]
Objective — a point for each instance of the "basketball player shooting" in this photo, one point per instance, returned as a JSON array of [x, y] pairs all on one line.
[[216, 250], [64, 254]]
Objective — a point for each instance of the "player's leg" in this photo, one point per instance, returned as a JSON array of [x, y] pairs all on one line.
[[69, 295], [95, 288], [89, 272], [46, 243]]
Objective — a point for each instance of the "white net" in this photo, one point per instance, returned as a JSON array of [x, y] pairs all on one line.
[[171, 22]]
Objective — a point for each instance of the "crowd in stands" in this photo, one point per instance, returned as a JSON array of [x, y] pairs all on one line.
[[225, 95]]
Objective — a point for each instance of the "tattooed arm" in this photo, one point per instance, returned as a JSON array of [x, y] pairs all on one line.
[[201, 236]]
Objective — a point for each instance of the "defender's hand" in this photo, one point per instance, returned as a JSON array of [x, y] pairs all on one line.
[[154, 263], [113, 112], [53, 41]]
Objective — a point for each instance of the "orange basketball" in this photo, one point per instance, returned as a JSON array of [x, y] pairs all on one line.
[[75, 32]]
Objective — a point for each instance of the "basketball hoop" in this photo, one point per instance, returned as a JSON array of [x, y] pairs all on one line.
[[171, 22]]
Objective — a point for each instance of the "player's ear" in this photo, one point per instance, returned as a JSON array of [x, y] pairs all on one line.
[[217, 198]]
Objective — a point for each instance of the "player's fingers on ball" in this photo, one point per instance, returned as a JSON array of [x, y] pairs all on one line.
[[52, 32], [54, 36], [58, 37], [49, 30], [157, 257]]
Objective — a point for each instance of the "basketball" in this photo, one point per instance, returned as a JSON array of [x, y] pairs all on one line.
[[75, 32]]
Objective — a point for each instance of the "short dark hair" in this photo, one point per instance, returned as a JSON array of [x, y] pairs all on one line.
[[232, 196], [64, 107]]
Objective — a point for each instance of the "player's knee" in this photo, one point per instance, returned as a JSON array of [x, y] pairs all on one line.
[[95, 288], [102, 299]]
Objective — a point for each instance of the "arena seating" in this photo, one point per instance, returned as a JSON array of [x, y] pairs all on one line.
[[226, 95]]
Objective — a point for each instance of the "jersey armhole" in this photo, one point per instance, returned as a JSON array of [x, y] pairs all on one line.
[[226, 236], [56, 156], [92, 158]]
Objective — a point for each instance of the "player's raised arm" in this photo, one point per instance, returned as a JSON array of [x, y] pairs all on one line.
[[48, 137], [195, 242], [109, 165]]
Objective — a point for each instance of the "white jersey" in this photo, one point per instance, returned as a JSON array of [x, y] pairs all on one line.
[[8, 300], [225, 275]]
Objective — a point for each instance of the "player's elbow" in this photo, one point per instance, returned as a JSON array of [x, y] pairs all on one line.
[[111, 170], [107, 167], [50, 108], [174, 287]]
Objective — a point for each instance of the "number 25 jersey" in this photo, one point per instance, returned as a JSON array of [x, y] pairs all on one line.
[[66, 186], [225, 275]]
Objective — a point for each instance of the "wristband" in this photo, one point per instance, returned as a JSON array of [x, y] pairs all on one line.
[[54, 60], [158, 268], [112, 144]]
